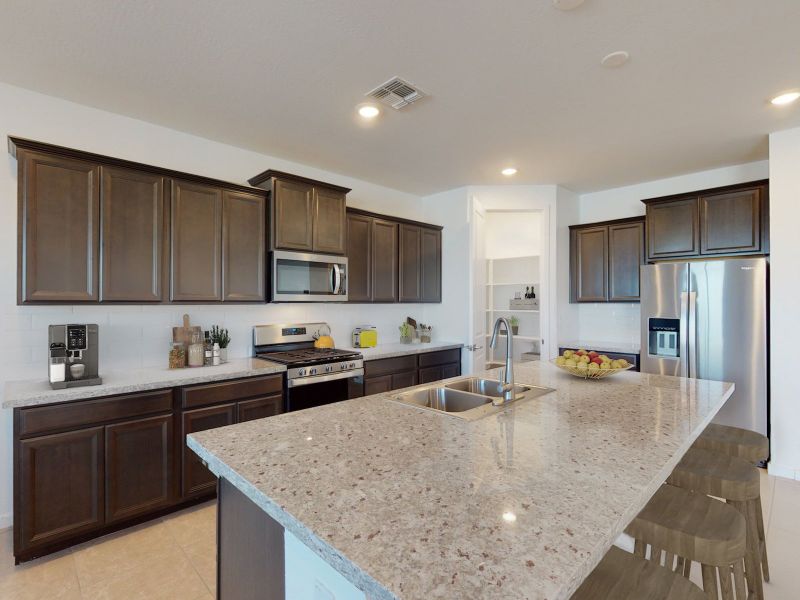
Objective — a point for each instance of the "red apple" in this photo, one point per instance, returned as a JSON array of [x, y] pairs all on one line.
[[596, 359], [593, 355], [580, 353]]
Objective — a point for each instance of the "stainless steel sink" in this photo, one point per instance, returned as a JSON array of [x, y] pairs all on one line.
[[469, 398], [485, 387]]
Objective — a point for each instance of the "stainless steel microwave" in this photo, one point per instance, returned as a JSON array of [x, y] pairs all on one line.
[[301, 277]]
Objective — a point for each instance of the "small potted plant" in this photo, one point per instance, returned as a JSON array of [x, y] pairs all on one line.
[[406, 333], [220, 336], [514, 322], [424, 332]]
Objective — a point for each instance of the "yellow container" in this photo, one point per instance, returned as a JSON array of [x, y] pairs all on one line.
[[365, 337]]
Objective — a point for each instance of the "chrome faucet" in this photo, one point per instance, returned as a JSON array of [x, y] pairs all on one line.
[[506, 387]]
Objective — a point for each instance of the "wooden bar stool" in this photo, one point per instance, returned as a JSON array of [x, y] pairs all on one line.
[[736, 481], [689, 526], [623, 576], [750, 446]]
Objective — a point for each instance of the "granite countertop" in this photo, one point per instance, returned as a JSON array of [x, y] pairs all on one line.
[[38, 391], [408, 503], [623, 347], [398, 349]]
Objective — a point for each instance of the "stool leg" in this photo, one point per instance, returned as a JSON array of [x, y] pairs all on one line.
[[639, 548], [752, 559], [710, 581], [687, 568], [679, 565], [725, 586], [655, 554], [762, 539], [669, 560], [738, 579]]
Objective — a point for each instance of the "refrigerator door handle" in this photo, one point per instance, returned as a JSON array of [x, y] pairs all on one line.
[[692, 334], [683, 335]]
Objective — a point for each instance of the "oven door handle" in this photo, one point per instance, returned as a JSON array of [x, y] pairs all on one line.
[[323, 378]]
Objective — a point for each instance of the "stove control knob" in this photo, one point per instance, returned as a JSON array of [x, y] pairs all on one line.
[[328, 369], [343, 366], [352, 365], [312, 371], [301, 372]]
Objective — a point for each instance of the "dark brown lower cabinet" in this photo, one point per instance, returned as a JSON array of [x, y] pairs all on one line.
[[197, 479], [377, 385], [139, 467], [59, 490], [259, 408], [385, 375]]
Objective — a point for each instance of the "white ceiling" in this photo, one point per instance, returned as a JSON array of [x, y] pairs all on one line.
[[512, 82]]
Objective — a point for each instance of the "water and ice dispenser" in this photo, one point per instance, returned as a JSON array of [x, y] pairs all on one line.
[[664, 338]]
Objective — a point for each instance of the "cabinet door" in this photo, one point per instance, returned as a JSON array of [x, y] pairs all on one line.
[[625, 256], [196, 243], [330, 228], [431, 264], [197, 479], [259, 408], [430, 374], [293, 216], [377, 385], [359, 258], [59, 222], [132, 231], [453, 370], [384, 261], [589, 274], [404, 380], [139, 467], [410, 275], [673, 229], [243, 247], [731, 222], [59, 487]]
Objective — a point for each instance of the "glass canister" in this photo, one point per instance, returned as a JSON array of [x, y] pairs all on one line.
[[177, 355], [197, 350]]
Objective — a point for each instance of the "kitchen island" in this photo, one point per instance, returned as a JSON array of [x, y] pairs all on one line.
[[409, 503]]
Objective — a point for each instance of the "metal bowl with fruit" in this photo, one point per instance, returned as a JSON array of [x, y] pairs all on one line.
[[590, 365]]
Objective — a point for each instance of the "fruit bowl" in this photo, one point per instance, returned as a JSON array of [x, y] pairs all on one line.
[[580, 364]]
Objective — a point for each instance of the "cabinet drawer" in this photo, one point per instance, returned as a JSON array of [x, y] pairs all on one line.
[[84, 413], [443, 357], [377, 385], [259, 408], [387, 366], [228, 391]]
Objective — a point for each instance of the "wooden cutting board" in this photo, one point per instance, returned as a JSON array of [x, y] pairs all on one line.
[[184, 334]]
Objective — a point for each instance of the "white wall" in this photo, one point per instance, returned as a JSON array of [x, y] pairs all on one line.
[[784, 203], [136, 336], [620, 323]]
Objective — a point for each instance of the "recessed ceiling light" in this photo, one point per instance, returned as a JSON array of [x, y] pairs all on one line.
[[786, 98], [509, 171], [567, 4], [615, 59], [369, 111]]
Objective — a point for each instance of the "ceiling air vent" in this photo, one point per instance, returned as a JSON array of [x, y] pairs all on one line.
[[397, 93]]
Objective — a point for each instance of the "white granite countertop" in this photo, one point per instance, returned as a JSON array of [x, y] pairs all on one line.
[[398, 349], [38, 391], [625, 348], [407, 503]]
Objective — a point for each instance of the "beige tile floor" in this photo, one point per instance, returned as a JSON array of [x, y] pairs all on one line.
[[174, 557]]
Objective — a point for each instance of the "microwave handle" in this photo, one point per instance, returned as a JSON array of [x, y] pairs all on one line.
[[337, 279]]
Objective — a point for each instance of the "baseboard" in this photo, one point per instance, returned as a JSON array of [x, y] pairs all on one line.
[[782, 471], [6, 520]]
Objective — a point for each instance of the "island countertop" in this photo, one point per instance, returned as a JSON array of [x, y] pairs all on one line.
[[407, 503]]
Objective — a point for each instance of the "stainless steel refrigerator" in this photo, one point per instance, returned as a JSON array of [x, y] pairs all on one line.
[[708, 320]]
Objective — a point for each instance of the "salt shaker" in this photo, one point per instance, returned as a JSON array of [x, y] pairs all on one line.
[[215, 354]]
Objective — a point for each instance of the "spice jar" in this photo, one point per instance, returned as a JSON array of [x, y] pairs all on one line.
[[177, 355]]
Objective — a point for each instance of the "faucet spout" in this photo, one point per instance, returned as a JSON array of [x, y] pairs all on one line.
[[507, 385]]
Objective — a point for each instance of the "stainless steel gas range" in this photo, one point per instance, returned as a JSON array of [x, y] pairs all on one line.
[[314, 376]]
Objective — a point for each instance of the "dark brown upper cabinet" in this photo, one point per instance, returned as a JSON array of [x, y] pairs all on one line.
[[410, 263], [243, 247], [305, 215], [59, 229], [625, 257], [372, 258], [724, 221], [431, 264], [133, 220], [196, 255], [605, 259]]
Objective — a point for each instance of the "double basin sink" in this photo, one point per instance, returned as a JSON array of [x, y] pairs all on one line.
[[469, 398]]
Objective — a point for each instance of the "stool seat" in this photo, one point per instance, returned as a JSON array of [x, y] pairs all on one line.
[[719, 475], [693, 526], [734, 441], [623, 576]]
